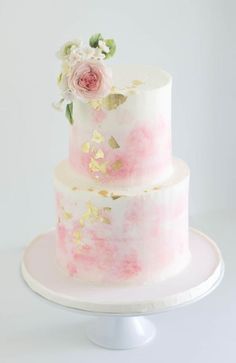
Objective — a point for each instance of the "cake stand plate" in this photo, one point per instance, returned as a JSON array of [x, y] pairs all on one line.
[[121, 309]]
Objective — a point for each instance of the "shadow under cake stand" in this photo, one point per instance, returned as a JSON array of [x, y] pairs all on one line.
[[120, 311]]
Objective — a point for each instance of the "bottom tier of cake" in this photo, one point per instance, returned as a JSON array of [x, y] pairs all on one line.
[[123, 236]]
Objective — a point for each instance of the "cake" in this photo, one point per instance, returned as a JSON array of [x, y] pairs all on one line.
[[121, 197]]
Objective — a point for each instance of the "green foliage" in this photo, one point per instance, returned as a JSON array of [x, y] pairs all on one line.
[[69, 112], [94, 39], [112, 46]]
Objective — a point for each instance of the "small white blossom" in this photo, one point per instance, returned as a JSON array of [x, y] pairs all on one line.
[[74, 57], [88, 52], [102, 45], [65, 91], [68, 47], [58, 105], [67, 95], [98, 54]]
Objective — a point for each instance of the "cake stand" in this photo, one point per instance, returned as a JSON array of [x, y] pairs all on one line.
[[120, 311]]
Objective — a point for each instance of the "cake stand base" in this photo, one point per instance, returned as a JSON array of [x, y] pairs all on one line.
[[121, 309], [120, 332]]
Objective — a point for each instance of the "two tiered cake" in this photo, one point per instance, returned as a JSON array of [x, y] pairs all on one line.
[[122, 200]]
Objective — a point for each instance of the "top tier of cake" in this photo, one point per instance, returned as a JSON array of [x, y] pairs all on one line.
[[128, 144]]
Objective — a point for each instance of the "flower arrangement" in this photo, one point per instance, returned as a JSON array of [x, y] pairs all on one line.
[[85, 77]]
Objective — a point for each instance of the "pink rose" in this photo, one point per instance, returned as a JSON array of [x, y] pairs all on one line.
[[90, 80]]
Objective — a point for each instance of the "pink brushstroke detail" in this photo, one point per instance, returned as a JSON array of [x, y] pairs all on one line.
[[146, 150], [62, 234], [129, 267], [98, 115], [71, 268], [58, 200], [101, 254]]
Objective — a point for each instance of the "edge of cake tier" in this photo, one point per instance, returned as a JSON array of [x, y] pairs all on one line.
[[66, 178]]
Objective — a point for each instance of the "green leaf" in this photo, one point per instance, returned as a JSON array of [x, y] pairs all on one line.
[[112, 46], [94, 39], [69, 112], [68, 47], [59, 78]]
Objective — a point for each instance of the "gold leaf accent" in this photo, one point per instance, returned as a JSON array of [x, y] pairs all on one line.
[[114, 197], [137, 82], [113, 143], [105, 220], [157, 188], [99, 154], [77, 237], [86, 147], [97, 137], [112, 101], [104, 193], [67, 215], [95, 104], [74, 188], [92, 213], [81, 222], [90, 189], [117, 165], [95, 166]]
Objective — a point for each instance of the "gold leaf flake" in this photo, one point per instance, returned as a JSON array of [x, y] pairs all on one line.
[[77, 237], [95, 104], [86, 147], [114, 197], [113, 143], [74, 188], [95, 166], [104, 193], [85, 216], [117, 165], [81, 222], [93, 210], [112, 101], [67, 215], [137, 82], [107, 209], [92, 213], [97, 137], [90, 189], [99, 154], [105, 220], [157, 187]]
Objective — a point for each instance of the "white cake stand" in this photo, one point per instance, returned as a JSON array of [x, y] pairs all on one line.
[[121, 323]]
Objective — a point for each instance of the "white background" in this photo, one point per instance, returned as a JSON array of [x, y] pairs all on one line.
[[195, 42]]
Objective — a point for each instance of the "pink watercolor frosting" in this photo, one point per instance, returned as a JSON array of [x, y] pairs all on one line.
[[133, 239], [144, 153]]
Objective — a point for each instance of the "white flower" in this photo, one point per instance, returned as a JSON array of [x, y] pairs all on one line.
[[65, 51], [63, 85], [88, 52], [74, 57], [58, 105], [102, 45], [98, 54]]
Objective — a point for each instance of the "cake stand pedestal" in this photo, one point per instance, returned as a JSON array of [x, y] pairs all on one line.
[[120, 310]]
